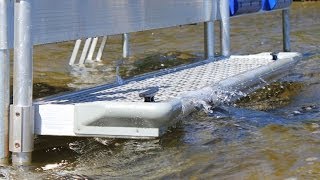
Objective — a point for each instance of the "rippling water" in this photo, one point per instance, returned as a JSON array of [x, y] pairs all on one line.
[[272, 134]]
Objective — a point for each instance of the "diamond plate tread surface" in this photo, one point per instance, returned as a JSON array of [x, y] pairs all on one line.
[[171, 82]]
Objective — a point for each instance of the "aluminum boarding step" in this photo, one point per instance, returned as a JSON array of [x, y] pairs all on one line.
[[115, 110]]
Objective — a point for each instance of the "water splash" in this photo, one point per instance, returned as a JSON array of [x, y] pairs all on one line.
[[119, 80], [208, 97]]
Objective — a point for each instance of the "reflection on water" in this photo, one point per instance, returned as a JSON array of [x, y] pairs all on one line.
[[272, 134]]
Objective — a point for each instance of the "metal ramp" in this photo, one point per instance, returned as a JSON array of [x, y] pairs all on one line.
[[116, 110]]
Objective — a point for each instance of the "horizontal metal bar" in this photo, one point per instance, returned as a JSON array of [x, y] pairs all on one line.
[[62, 20]]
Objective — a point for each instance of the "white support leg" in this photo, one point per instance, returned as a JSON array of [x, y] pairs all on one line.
[[85, 51], [225, 28], [286, 30], [75, 52], [92, 48], [125, 45], [21, 120], [101, 48]]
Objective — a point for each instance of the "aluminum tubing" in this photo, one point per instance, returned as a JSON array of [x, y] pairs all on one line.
[[22, 84], [92, 48], [101, 48], [4, 103], [225, 28], [75, 52], [4, 79], [209, 40], [286, 30], [126, 46]]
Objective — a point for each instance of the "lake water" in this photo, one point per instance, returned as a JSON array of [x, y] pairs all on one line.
[[273, 134]]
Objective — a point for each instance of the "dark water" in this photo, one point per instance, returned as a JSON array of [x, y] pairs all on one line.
[[272, 134]]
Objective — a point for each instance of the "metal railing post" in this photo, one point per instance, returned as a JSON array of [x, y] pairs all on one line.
[[22, 112], [209, 40], [125, 45], [286, 30], [4, 80], [225, 27]]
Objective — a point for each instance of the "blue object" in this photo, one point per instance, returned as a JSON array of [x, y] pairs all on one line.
[[244, 6], [269, 4], [233, 4]]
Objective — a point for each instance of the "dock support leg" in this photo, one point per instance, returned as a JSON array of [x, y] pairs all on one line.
[[75, 52], [4, 79], [85, 51], [125, 45], [225, 28], [286, 30], [101, 48], [4, 103], [21, 119], [92, 48], [209, 47]]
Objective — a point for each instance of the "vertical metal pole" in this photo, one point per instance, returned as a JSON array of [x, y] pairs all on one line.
[[92, 48], [4, 80], [125, 45], [21, 120], [286, 30], [225, 28], [101, 48], [85, 51], [209, 40], [75, 52]]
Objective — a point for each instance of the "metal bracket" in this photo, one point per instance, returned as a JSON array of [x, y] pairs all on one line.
[[21, 129], [274, 55], [149, 94]]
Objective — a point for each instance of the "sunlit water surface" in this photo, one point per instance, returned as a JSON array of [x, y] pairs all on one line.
[[273, 134]]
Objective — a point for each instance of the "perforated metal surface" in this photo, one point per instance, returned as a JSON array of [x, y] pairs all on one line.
[[171, 82]]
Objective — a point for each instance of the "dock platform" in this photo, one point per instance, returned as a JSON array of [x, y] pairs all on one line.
[[116, 110]]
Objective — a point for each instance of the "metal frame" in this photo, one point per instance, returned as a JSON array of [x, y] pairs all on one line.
[[34, 24]]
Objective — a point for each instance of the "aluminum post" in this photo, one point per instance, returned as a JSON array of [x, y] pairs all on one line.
[[4, 80], [101, 48], [75, 52], [286, 30], [85, 51], [125, 45], [225, 28], [4, 102], [21, 119], [209, 40], [92, 48]]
